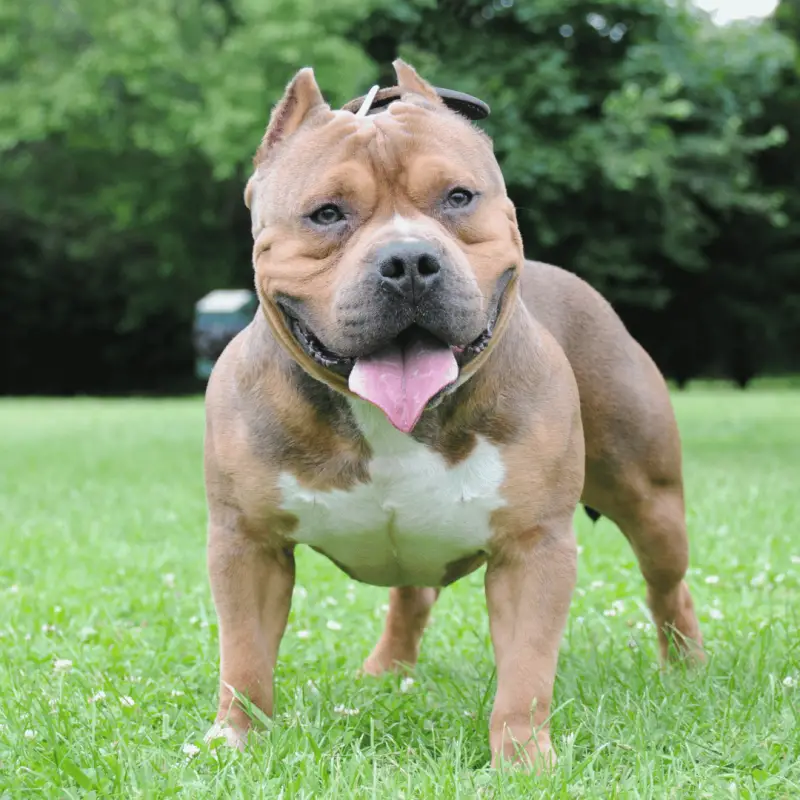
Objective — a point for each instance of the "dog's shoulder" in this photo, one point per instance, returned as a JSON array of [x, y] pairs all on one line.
[[266, 415]]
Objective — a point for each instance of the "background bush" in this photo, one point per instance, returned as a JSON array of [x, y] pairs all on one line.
[[648, 150]]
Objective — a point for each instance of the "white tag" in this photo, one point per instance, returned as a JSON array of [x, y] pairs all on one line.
[[365, 106]]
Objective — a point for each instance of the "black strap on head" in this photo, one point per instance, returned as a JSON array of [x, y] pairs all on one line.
[[464, 104]]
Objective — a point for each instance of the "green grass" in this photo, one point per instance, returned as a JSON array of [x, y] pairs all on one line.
[[102, 562]]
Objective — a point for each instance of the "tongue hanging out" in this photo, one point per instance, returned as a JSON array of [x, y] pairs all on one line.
[[402, 377]]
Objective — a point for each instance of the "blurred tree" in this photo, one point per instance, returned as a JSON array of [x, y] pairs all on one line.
[[125, 133], [752, 283], [778, 251], [643, 146]]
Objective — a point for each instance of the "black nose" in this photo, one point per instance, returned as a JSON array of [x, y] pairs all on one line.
[[410, 268]]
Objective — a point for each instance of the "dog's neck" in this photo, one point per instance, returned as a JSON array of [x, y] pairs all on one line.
[[475, 408]]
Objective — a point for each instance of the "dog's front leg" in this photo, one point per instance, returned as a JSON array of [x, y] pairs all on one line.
[[529, 584], [252, 582]]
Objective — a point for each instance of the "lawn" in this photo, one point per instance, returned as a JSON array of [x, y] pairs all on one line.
[[108, 639]]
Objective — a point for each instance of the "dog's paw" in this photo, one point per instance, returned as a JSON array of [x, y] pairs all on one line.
[[230, 735], [372, 668], [536, 755], [377, 665]]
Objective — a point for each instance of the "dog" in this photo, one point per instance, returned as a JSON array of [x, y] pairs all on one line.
[[415, 400]]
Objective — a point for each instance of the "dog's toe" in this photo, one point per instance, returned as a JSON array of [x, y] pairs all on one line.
[[372, 668], [379, 664], [231, 736]]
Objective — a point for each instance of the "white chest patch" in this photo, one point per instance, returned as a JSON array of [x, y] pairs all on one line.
[[415, 516]]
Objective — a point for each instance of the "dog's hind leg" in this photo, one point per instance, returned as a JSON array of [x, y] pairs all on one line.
[[652, 518], [398, 647], [656, 529]]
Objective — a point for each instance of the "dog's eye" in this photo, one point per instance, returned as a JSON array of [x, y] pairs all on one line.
[[329, 214], [459, 198]]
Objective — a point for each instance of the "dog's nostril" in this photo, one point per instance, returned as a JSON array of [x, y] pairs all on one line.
[[428, 265], [409, 264], [393, 268]]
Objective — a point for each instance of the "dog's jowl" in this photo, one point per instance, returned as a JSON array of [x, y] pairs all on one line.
[[414, 400]]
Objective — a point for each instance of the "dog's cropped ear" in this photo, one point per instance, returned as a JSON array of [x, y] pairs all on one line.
[[301, 99], [410, 82]]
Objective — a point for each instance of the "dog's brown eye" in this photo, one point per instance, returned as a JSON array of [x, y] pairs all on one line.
[[459, 198], [329, 214]]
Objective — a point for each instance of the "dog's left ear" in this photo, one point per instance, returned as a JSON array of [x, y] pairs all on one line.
[[248, 190], [301, 99], [408, 81]]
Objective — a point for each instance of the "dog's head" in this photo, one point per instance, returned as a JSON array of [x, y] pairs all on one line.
[[386, 249]]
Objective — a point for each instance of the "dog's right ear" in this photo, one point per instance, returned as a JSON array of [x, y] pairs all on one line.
[[409, 81], [301, 99]]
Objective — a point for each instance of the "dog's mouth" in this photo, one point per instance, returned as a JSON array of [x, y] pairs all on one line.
[[343, 365], [405, 375]]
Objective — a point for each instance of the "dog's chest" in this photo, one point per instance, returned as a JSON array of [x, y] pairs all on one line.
[[415, 516]]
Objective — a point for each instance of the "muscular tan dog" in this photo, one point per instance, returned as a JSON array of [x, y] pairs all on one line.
[[415, 400]]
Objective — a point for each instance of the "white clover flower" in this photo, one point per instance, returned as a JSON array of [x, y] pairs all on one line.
[[346, 712]]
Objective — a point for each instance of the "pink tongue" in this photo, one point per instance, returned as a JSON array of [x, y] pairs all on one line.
[[401, 380]]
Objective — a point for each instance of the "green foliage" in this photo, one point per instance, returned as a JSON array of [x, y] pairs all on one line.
[[125, 132], [646, 149]]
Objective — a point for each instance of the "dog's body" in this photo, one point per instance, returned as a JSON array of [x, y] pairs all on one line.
[[416, 401]]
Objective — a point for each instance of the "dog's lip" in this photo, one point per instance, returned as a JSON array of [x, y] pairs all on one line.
[[313, 346]]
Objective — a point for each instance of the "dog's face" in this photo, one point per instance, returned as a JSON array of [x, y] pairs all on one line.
[[384, 244]]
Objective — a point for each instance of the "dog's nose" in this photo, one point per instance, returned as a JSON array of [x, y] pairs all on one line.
[[410, 268]]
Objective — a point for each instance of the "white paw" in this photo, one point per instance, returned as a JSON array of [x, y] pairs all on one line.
[[232, 738]]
